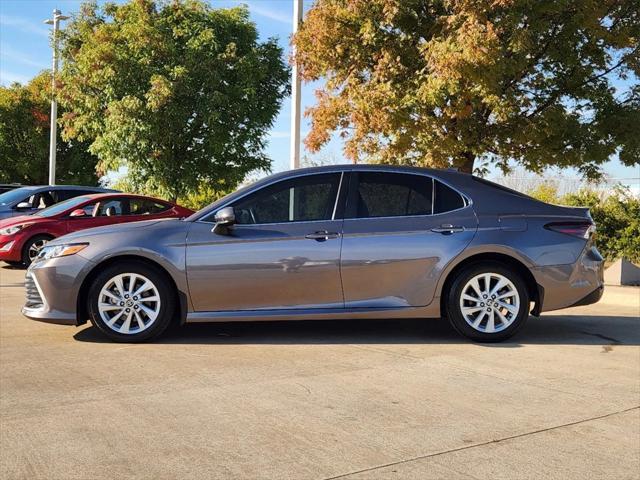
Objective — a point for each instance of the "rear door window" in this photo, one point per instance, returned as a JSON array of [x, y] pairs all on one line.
[[142, 206], [387, 194]]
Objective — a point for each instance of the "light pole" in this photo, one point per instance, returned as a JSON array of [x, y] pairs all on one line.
[[295, 93], [55, 21]]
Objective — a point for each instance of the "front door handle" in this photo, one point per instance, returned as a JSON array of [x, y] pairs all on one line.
[[447, 229], [322, 235]]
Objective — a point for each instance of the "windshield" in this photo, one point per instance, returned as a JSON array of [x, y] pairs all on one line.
[[13, 196], [62, 206]]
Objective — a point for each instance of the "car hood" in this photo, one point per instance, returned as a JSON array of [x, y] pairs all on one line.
[[9, 222], [118, 228]]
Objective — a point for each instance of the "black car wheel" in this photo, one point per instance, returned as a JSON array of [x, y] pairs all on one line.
[[131, 302], [32, 248], [487, 302]]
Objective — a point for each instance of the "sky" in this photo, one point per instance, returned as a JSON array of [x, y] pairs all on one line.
[[24, 51]]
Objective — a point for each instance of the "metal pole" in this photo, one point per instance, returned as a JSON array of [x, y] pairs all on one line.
[[55, 21], [296, 86]]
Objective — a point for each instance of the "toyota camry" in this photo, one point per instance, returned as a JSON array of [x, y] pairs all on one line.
[[339, 242]]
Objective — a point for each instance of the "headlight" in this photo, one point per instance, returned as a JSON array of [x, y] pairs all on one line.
[[13, 229], [64, 250]]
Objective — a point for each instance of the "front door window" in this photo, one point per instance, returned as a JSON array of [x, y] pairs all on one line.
[[310, 198]]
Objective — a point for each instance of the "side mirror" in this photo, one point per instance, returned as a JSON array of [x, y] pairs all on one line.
[[225, 218], [78, 212], [23, 206]]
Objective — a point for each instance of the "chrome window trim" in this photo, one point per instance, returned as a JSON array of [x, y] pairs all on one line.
[[433, 195], [408, 216], [465, 199], [341, 171], [335, 204]]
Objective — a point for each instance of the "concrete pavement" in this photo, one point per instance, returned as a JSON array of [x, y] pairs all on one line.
[[320, 400]]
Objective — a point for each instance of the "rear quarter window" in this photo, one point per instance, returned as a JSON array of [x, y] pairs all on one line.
[[446, 199]]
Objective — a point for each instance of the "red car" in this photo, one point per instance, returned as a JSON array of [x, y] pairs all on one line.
[[22, 238]]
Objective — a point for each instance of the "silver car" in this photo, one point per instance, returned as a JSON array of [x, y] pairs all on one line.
[[328, 243]]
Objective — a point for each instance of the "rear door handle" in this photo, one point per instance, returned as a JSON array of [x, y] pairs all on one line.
[[322, 235], [448, 229]]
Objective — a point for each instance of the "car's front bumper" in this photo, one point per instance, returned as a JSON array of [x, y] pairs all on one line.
[[10, 249], [579, 283], [52, 289]]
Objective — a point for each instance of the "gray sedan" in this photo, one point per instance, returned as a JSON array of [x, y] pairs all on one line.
[[328, 243]]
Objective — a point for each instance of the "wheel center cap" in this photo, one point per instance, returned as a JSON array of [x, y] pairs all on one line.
[[130, 303]]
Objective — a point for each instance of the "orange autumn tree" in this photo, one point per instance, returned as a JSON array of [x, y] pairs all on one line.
[[467, 83]]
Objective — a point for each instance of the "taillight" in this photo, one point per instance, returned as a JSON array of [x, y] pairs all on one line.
[[575, 229]]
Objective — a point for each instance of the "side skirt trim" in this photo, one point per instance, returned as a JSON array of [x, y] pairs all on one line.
[[430, 311]]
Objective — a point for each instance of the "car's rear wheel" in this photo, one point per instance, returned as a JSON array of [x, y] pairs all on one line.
[[32, 247], [131, 302], [487, 302]]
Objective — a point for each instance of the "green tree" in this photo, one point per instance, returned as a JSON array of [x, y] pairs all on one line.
[[468, 83], [24, 139], [545, 192], [179, 93]]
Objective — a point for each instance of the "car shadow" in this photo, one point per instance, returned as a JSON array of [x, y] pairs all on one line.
[[607, 331]]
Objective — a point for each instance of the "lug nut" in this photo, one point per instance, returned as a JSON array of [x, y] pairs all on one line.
[[128, 310], [482, 304], [484, 296], [122, 304], [126, 296], [135, 298], [135, 306]]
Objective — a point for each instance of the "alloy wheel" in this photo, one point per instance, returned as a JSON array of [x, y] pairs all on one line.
[[489, 302], [35, 248], [129, 303]]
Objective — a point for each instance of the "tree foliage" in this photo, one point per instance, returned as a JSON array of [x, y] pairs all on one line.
[[180, 93], [465, 83], [616, 213], [24, 139]]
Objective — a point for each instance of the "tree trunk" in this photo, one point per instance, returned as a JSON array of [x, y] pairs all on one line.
[[467, 161]]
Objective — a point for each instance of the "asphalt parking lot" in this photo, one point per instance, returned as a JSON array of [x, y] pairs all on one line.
[[321, 400]]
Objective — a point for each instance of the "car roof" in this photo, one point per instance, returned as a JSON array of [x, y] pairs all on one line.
[[64, 187], [97, 196]]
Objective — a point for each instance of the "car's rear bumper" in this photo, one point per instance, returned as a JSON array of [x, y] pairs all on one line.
[[579, 283], [52, 289], [593, 297]]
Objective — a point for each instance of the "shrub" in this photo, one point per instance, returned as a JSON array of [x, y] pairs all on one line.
[[617, 218], [616, 213]]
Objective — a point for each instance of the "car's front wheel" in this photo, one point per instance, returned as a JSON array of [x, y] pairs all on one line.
[[487, 302], [32, 247], [131, 302]]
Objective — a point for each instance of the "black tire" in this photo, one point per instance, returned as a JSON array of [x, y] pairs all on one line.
[[454, 313], [161, 282], [26, 248]]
